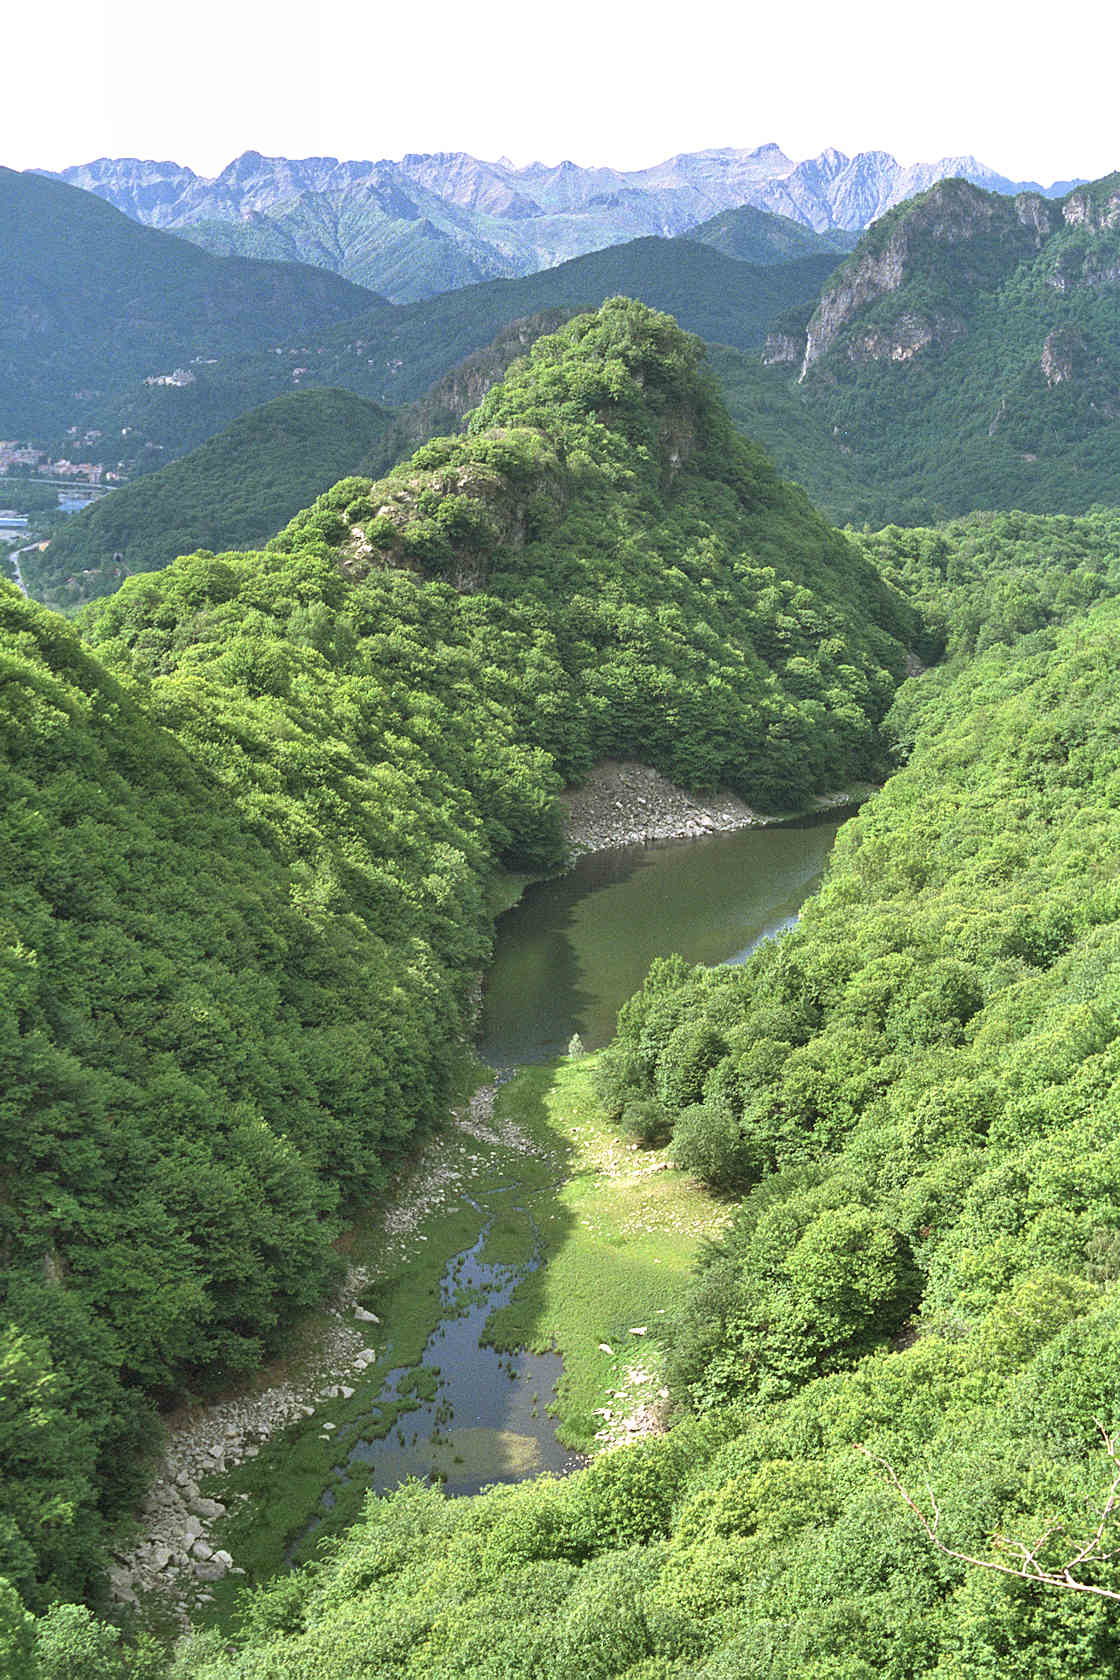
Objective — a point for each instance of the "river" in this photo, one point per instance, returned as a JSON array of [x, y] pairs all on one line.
[[567, 956], [426, 1396], [575, 948]]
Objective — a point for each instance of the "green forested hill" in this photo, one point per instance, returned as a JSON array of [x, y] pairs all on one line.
[[393, 356], [239, 487], [245, 831], [235, 490], [757, 236], [90, 302], [966, 355], [912, 1097]]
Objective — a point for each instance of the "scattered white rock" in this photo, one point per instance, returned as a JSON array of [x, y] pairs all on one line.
[[210, 1508]]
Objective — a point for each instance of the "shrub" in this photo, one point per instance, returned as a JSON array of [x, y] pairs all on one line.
[[709, 1143]]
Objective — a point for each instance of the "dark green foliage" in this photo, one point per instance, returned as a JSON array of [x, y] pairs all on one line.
[[393, 356], [234, 491], [91, 302], [966, 356], [757, 236], [648, 1121], [708, 1142]]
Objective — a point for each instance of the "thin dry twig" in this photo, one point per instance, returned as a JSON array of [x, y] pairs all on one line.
[[1028, 1567]]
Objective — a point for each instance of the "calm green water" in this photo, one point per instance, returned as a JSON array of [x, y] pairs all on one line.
[[574, 949]]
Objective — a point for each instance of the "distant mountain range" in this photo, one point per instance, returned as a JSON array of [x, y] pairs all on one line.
[[429, 223]]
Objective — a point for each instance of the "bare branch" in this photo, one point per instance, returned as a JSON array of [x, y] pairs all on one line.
[[1028, 1567]]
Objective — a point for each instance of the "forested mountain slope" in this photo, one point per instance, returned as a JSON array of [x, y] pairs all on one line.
[[247, 826], [753, 235], [240, 486], [913, 1096], [90, 302], [967, 355], [393, 356]]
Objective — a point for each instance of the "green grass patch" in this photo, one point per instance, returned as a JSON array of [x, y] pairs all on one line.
[[619, 1239]]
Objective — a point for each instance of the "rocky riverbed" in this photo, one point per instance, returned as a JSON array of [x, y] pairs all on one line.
[[627, 804], [177, 1554]]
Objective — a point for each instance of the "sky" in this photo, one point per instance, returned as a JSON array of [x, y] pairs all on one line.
[[624, 84]]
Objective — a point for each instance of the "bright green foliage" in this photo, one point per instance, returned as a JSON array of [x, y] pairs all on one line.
[[697, 603], [17, 1637], [926, 1070], [248, 829], [913, 1092], [993, 577]]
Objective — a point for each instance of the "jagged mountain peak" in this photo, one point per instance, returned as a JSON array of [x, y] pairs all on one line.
[[494, 218]]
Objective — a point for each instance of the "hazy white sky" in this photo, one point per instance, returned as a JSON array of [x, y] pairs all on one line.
[[621, 84]]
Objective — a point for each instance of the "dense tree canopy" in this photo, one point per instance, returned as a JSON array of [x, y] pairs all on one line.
[[916, 1090], [248, 825]]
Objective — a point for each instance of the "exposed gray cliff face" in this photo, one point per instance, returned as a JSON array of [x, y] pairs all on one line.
[[1038, 214], [985, 233], [781, 348], [1063, 349], [907, 336], [861, 281], [1091, 208]]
